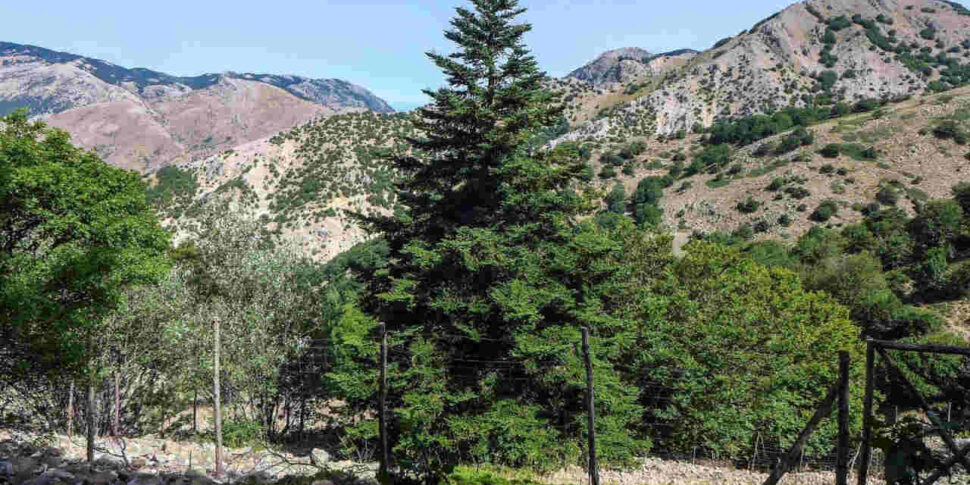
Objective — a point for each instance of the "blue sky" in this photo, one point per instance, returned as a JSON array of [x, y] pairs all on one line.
[[378, 44]]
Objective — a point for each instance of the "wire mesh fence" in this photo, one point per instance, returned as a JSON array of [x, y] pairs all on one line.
[[300, 410]]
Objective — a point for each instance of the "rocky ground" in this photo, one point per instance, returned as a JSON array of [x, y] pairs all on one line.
[[58, 460]]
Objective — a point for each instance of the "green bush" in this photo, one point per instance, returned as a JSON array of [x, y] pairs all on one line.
[[796, 139], [961, 193], [616, 200], [825, 211], [748, 206], [239, 434], [172, 184], [715, 156], [474, 476], [859, 152], [729, 319], [830, 151], [888, 195], [950, 130], [839, 23], [798, 192]]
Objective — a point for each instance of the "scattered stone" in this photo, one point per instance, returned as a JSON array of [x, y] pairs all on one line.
[[319, 457], [109, 461], [104, 478], [144, 479]]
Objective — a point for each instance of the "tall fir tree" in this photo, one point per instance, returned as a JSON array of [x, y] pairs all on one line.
[[491, 271]]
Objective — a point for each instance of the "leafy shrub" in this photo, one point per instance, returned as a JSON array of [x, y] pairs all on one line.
[[475, 476], [798, 192], [961, 193], [950, 129], [757, 127], [827, 80], [238, 434], [825, 211], [839, 23], [796, 139], [616, 200], [830, 151], [712, 348], [646, 200], [748, 206], [888, 195], [859, 152], [172, 184], [714, 156]]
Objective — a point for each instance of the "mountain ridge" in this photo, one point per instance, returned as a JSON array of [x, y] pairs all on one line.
[[638, 115], [143, 120], [316, 90]]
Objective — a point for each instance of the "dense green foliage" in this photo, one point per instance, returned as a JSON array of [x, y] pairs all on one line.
[[646, 201], [756, 127], [74, 232], [172, 184], [494, 264], [890, 259]]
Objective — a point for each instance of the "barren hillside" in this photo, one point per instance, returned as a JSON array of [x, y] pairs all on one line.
[[142, 119]]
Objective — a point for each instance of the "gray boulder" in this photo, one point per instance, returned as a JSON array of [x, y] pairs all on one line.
[[319, 457]]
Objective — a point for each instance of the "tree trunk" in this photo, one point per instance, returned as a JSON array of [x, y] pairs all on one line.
[[218, 411], [195, 410], [116, 422], [70, 410], [92, 422]]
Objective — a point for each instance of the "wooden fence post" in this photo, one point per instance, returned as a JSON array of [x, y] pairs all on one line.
[[842, 465], [594, 474], [216, 398], [866, 453], [796, 449], [382, 408]]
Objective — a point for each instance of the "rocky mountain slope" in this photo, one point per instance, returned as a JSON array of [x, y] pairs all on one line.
[[142, 119], [629, 63], [885, 77], [301, 183], [636, 115], [813, 51]]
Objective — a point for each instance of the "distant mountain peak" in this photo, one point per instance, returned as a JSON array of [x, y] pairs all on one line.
[[333, 93], [142, 119], [622, 65]]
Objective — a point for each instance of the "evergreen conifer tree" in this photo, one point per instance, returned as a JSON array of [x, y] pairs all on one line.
[[491, 273]]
